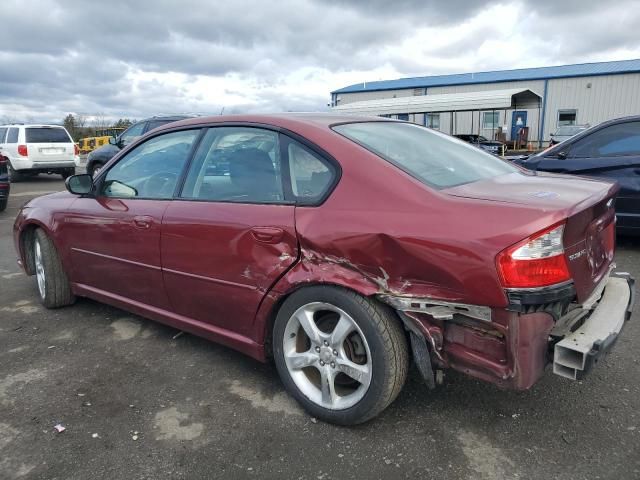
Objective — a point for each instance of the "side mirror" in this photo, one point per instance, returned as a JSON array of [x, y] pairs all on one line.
[[79, 184], [562, 155], [113, 141]]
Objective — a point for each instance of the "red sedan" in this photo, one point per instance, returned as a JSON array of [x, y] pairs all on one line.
[[342, 248]]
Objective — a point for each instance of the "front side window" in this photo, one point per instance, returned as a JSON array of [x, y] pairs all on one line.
[[490, 120], [236, 164], [566, 117], [152, 169], [616, 140], [12, 136], [432, 120], [431, 157]]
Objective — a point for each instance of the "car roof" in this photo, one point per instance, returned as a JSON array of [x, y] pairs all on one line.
[[283, 120], [31, 125], [168, 117]]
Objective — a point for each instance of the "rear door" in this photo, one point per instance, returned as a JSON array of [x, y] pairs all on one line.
[[231, 234], [613, 153], [49, 144]]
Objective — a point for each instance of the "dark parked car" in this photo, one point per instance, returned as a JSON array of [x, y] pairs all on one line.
[[566, 132], [609, 151], [100, 156], [4, 182], [341, 247], [491, 146]]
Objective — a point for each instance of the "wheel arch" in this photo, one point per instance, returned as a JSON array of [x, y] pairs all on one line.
[[305, 275], [25, 242]]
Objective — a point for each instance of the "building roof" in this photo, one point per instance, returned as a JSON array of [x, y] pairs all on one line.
[[447, 102], [540, 73]]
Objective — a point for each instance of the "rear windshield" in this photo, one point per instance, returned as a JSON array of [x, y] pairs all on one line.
[[47, 135], [436, 159]]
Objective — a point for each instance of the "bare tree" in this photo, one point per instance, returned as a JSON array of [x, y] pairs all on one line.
[[100, 121]]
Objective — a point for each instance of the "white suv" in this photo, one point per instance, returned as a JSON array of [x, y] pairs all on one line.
[[34, 149]]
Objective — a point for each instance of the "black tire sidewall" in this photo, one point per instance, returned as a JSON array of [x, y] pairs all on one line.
[[342, 299]]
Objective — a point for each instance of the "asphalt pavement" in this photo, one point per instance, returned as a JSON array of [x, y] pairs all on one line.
[[139, 400]]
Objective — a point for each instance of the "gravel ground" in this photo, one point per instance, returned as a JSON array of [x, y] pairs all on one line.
[[139, 402]]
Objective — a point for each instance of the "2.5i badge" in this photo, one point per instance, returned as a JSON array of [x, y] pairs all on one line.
[[579, 254]]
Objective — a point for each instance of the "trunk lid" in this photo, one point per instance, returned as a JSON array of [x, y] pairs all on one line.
[[586, 205]]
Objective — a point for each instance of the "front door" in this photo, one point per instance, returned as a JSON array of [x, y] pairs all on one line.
[[231, 234], [114, 237], [518, 121]]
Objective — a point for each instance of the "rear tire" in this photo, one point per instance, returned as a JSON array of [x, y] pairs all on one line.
[[3, 204], [53, 284], [353, 363], [67, 173]]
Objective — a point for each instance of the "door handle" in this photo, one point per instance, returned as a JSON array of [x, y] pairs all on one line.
[[267, 234], [142, 221]]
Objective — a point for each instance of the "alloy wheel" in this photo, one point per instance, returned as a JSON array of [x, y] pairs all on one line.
[[39, 263], [327, 355]]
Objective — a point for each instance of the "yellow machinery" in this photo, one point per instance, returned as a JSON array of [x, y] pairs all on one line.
[[89, 144]]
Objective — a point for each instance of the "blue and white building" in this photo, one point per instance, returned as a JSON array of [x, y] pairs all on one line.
[[485, 102]]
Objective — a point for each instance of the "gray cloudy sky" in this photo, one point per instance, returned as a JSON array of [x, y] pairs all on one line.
[[137, 58]]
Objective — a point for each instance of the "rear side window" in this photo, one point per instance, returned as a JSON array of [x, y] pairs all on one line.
[[12, 136], [433, 158], [616, 140], [46, 135], [311, 176], [236, 164]]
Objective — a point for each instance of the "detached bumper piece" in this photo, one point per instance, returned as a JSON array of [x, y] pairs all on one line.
[[576, 354]]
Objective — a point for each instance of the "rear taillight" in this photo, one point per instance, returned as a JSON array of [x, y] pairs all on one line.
[[537, 261], [22, 150], [3, 160], [76, 150]]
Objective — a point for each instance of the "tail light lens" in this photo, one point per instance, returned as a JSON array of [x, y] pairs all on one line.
[[537, 261], [76, 150], [3, 160], [22, 150]]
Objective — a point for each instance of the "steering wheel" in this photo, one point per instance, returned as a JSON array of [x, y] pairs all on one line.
[[160, 184]]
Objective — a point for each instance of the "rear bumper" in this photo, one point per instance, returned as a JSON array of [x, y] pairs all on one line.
[[577, 353], [26, 164]]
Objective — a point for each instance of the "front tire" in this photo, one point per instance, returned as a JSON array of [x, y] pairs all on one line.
[[14, 175], [342, 356], [67, 173], [95, 169], [53, 284]]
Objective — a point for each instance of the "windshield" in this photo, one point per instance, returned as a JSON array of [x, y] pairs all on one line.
[[47, 135], [433, 158]]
